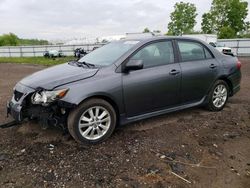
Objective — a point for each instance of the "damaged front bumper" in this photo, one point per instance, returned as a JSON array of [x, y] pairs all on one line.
[[20, 108], [15, 106], [15, 110]]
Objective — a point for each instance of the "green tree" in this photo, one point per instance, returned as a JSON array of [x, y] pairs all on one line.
[[225, 14], [219, 11], [13, 40], [246, 32], [247, 26], [8, 40], [226, 33], [237, 13], [182, 19], [146, 30], [208, 25]]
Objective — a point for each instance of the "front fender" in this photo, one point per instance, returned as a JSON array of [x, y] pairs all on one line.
[[108, 87]]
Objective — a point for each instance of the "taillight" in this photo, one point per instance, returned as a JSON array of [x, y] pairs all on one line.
[[238, 64]]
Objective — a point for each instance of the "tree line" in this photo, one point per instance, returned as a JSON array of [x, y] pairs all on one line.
[[226, 18], [11, 39]]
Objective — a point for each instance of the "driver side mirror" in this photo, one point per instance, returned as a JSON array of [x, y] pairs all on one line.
[[133, 65]]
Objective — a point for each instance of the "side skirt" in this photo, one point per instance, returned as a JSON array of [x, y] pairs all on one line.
[[125, 120]]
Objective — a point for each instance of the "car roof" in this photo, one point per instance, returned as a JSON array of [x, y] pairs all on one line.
[[155, 38]]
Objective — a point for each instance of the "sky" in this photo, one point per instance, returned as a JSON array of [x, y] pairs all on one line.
[[65, 19]]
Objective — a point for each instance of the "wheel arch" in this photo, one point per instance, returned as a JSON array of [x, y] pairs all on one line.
[[229, 83], [225, 79], [107, 99]]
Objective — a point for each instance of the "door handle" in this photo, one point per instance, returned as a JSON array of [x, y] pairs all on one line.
[[212, 66], [174, 72]]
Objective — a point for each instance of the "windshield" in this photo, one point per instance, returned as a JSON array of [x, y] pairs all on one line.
[[109, 53]]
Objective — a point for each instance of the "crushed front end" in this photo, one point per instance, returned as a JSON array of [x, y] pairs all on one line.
[[39, 104]]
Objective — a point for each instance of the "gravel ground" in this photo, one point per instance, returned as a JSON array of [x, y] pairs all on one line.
[[211, 149]]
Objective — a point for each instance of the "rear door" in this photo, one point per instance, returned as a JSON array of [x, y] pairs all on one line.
[[157, 85], [199, 70]]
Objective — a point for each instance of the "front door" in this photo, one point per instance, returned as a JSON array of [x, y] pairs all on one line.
[[157, 85]]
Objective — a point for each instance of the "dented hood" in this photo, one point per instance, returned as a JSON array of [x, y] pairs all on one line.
[[58, 75]]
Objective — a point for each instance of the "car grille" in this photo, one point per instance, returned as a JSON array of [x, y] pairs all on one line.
[[17, 95]]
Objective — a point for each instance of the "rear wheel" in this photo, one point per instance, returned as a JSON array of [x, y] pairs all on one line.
[[218, 96], [92, 122]]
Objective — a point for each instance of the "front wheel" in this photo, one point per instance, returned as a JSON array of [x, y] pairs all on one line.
[[218, 96], [92, 122]]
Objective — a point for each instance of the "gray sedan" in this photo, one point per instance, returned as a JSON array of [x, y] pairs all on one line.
[[126, 81]]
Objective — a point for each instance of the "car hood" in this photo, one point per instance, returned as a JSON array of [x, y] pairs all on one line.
[[58, 75]]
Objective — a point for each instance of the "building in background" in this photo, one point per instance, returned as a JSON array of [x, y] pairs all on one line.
[[205, 37]]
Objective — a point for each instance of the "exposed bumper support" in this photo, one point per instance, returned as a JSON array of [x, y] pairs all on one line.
[[15, 111], [10, 124]]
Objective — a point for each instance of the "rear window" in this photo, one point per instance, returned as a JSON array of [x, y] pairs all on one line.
[[191, 51]]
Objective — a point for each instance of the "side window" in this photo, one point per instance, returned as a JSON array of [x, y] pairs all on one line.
[[156, 54], [191, 51]]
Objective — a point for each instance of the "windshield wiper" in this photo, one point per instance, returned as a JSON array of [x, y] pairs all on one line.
[[89, 65]]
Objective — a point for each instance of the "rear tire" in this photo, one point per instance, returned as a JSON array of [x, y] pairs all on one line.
[[218, 96], [92, 122]]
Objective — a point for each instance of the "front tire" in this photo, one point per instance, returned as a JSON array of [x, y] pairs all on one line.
[[92, 121], [218, 96]]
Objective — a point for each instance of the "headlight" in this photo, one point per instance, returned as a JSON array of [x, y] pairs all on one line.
[[46, 97]]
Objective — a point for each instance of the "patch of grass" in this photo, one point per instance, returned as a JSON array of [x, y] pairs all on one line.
[[36, 60]]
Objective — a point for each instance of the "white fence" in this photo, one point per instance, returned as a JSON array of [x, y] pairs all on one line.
[[33, 51], [240, 47]]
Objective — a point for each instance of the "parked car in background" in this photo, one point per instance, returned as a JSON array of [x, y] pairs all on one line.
[[222, 48], [95, 47], [53, 53], [79, 52], [126, 81]]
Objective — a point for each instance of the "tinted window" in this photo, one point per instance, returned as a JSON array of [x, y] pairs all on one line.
[[191, 51], [160, 53]]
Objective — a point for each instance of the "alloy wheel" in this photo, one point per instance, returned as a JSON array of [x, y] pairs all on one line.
[[94, 122], [219, 96]]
